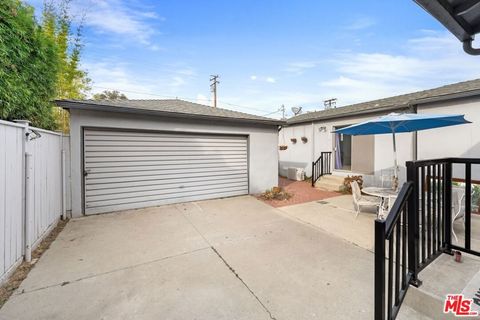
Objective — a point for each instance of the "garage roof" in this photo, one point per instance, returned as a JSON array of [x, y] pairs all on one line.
[[460, 17], [456, 90], [168, 107]]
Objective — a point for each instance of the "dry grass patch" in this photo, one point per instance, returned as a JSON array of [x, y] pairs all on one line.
[[22, 271]]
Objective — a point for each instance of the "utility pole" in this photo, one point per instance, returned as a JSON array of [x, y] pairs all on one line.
[[213, 87], [282, 108], [330, 103]]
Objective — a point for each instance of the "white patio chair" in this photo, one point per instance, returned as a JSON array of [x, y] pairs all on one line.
[[391, 201], [386, 177], [458, 208], [360, 200]]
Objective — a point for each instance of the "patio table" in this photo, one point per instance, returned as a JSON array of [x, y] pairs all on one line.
[[383, 194]]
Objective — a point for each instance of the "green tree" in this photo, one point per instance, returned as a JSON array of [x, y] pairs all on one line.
[[28, 66], [72, 82], [110, 95]]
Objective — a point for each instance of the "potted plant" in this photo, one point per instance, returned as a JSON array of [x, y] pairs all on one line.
[[304, 139], [294, 140]]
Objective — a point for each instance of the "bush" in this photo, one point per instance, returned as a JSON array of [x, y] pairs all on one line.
[[349, 179], [28, 67], [276, 193]]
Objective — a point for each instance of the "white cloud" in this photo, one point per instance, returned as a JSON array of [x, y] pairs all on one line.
[[115, 16], [202, 99], [431, 60], [360, 23], [117, 75], [270, 80], [299, 67], [177, 81], [254, 77]]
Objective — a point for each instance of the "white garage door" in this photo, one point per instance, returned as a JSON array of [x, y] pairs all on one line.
[[134, 169]]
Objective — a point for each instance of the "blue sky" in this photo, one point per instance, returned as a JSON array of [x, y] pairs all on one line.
[[267, 53]]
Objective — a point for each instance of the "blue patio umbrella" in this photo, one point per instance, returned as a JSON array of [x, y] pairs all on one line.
[[398, 123]]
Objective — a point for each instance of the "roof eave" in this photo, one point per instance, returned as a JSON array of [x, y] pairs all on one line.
[[440, 11], [447, 97], [441, 98], [68, 104], [350, 114]]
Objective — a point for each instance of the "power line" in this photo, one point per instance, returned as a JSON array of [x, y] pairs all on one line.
[[165, 96]]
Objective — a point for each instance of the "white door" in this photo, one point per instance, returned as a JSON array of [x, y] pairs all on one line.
[[135, 169]]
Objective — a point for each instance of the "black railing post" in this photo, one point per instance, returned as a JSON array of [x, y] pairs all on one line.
[[448, 207], [468, 205], [321, 164], [413, 226], [313, 174], [379, 270]]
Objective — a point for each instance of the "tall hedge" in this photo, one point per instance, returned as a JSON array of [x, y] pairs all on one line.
[[28, 66]]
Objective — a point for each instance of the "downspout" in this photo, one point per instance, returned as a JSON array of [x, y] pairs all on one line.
[[27, 190], [28, 207], [64, 184], [468, 48]]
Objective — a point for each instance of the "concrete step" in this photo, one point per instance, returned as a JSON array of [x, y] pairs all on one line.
[[330, 183], [407, 313], [424, 304], [441, 277], [332, 178]]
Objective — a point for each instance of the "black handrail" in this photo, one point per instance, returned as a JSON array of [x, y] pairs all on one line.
[[321, 166], [426, 227], [395, 282]]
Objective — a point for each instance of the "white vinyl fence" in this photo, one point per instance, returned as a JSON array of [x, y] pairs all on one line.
[[32, 184]]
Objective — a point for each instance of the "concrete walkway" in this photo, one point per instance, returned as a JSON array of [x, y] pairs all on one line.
[[235, 258], [336, 216]]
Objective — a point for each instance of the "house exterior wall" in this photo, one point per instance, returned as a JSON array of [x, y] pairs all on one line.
[[263, 151], [458, 141], [302, 154]]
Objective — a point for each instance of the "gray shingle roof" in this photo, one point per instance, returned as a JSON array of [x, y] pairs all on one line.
[[471, 87], [167, 107]]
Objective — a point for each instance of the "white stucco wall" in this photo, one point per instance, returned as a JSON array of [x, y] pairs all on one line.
[[263, 150], [461, 141], [301, 153], [456, 141]]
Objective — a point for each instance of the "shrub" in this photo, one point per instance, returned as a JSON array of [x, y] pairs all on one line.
[[349, 179], [276, 193], [28, 66]]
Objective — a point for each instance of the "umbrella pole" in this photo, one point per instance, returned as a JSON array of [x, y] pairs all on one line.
[[395, 165]]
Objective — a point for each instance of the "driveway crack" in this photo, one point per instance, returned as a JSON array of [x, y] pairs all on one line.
[[243, 282], [64, 283], [232, 270]]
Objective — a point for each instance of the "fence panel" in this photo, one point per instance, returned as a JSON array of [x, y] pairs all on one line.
[[47, 199], [44, 196], [11, 196]]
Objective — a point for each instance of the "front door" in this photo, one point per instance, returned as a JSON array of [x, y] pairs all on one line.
[[343, 151]]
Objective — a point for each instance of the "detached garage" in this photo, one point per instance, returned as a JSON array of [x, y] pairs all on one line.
[[140, 153]]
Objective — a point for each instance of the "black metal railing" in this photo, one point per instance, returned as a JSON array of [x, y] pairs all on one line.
[[435, 180], [392, 277], [427, 199], [322, 166]]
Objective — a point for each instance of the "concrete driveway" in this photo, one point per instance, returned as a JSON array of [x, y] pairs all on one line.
[[235, 258]]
